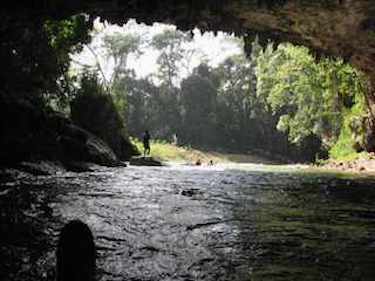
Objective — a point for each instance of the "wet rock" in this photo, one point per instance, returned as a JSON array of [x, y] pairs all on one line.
[[41, 168], [79, 167], [80, 145], [144, 161], [190, 192]]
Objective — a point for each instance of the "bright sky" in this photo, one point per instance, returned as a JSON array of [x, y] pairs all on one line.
[[213, 49]]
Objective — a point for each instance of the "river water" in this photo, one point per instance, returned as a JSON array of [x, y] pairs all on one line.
[[195, 223]]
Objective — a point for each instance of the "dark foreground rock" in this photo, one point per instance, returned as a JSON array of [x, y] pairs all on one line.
[[144, 161]]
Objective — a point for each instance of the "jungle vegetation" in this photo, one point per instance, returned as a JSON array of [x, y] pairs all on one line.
[[272, 99]]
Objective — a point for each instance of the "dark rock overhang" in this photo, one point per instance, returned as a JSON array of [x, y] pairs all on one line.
[[344, 28]]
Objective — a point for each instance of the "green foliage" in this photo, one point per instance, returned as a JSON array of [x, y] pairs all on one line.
[[351, 139], [282, 100], [36, 54], [146, 108], [344, 147], [65, 37], [199, 121], [69, 35], [215, 107], [311, 97]]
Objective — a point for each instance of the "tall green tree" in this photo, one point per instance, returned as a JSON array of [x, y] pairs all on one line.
[[199, 107], [118, 47], [171, 44], [311, 98]]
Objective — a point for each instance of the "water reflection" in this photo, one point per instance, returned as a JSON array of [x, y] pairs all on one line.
[[182, 223]]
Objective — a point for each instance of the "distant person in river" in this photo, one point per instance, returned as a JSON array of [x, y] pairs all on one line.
[[146, 143], [76, 253], [175, 139]]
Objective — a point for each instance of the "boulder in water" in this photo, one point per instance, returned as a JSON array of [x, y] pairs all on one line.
[[144, 161], [82, 146]]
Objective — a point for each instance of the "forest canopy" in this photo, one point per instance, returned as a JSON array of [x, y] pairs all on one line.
[[218, 97]]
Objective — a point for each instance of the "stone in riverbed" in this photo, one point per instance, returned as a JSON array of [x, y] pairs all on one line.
[[41, 168], [144, 161]]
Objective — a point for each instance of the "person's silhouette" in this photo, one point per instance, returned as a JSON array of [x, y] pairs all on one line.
[[76, 254], [146, 143]]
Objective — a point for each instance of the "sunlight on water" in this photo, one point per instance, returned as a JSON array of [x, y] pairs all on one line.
[[233, 222]]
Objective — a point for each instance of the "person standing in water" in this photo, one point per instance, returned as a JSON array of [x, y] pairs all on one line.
[[146, 143]]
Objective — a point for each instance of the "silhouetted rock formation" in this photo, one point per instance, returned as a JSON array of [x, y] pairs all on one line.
[[31, 134]]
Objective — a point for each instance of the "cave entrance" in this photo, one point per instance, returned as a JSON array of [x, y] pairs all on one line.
[[36, 45], [213, 91]]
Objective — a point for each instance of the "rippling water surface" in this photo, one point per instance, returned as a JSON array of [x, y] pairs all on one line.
[[195, 223]]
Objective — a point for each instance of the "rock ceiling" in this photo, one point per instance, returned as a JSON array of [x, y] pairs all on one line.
[[344, 28]]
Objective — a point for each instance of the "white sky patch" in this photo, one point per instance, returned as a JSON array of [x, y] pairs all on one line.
[[210, 48]]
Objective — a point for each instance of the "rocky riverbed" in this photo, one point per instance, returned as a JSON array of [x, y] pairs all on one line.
[[360, 165]]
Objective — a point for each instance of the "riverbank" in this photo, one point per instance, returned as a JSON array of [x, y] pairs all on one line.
[[363, 163], [167, 152]]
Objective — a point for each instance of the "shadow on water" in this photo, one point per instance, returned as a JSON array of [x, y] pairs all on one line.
[[194, 223], [309, 227]]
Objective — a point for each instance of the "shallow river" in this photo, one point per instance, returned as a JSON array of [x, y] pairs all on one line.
[[197, 223]]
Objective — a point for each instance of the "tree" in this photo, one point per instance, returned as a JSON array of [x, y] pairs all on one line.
[[144, 108], [235, 99], [171, 45], [311, 98], [199, 107], [118, 48]]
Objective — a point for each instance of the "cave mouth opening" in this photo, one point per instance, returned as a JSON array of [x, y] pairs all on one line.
[[219, 91], [286, 101]]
